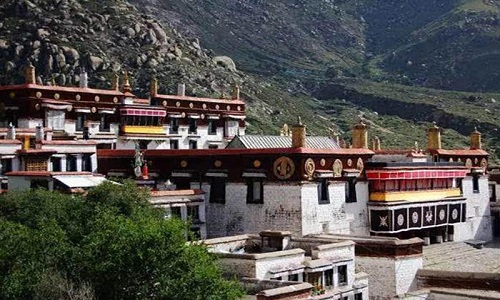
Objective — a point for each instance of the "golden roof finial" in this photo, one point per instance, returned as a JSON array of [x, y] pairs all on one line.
[[30, 74], [126, 83]]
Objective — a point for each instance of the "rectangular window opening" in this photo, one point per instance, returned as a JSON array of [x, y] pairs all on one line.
[[323, 196], [255, 191], [218, 190]]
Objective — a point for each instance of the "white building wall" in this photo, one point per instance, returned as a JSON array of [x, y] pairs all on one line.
[[478, 217], [357, 212], [280, 211], [282, 262], [29, 123], [318, 218], [390, 276]]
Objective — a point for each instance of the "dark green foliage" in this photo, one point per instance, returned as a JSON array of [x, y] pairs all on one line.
[[108, 245]]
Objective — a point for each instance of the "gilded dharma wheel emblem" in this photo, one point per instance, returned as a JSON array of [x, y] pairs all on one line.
[[217, 106], [164, 103], [115, 100], [337, 168], [309, 167], [184, 164], [57, 96], [204, 106], [217, 163], [322, 162], [283, 168], [78, 97], [93, 110], [12, 95], [38, 95], [178, 104], [191, 105], [96, 98]]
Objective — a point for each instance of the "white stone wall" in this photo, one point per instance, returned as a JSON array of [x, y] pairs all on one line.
[[390, 276], [280, 211], [357, 212], [29, 123], [317, 218], [9, 149], [406, 270], [478, 224], [277, 263]]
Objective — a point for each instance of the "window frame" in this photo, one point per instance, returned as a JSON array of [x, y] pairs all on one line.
[[174, 142], [475, 184], [323, 191], [212, 127], [214, 198], [251, 199], [193, 126], [350, 190], [341, 275], [104, 124], [173, 126]]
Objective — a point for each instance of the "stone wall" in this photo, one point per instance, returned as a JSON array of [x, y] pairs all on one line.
[[357, 212], [390, 276], [280, 210], [478, 225], [318, 218]]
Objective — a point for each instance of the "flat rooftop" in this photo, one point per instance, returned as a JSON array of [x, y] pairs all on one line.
[[460, 257]]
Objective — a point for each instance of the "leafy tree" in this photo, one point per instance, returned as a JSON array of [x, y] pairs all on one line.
[[110, 244]]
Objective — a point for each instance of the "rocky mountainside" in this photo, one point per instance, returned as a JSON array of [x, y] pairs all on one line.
[[444, 44], [440, 44], [320, 59], [60, 37]]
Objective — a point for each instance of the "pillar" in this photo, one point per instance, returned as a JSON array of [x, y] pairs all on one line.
[[360, 136], [434, 137], [475, 140], [299, 135]]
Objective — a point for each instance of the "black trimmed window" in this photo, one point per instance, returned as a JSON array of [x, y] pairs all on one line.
[[358, 296], [56, 164], [218, 190], [329, 282], [475, 183], [6, 165], [212, 127], [193, 144], [323, 195], [193, 213], [174, 144], [80, 121], [255, 191], [176, 212], [86, 163], [350, 191], [342, 273], [193, 126], [71, 163], [104, 125], [174, 126]]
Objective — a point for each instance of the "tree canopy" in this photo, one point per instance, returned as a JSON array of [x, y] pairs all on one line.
[[109, 244]]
